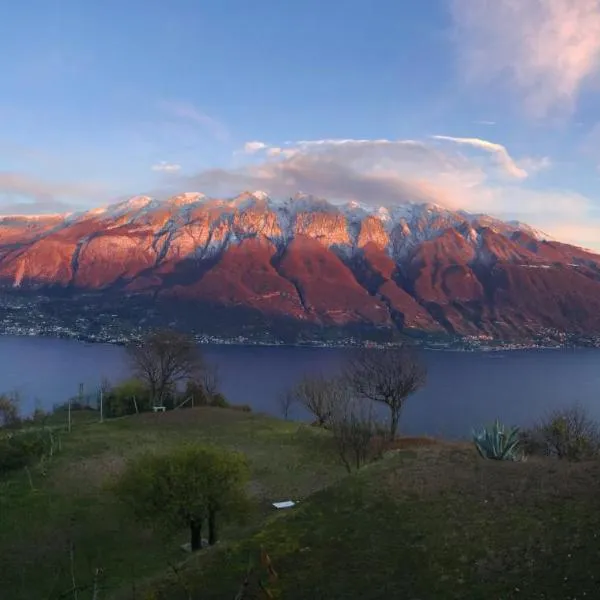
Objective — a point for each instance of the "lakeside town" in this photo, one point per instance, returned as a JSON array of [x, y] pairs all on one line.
[[21, 316]]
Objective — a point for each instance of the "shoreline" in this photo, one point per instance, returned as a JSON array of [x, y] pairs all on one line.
[[455, 346]]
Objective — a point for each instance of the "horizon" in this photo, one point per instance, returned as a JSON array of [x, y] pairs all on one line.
[[490, 110]]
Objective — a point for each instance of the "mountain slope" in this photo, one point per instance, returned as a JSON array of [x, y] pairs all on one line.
[[417, 267]]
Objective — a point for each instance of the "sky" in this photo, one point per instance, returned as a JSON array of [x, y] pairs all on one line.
[[490, 106]]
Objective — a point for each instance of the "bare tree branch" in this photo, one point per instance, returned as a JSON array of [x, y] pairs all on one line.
[[163, 359], [286, 401], [387, 376], [318, 395], [210, 379]]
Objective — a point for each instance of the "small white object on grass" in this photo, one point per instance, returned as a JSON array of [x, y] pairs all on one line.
[[285, 504]]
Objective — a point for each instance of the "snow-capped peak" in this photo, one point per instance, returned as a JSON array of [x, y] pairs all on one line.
[[186, 198], [260, 195]]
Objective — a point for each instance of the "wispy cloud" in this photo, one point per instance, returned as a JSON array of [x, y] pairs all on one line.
[[545, 48], [166, 167], [502, 157], [187, 111], [484, 122]]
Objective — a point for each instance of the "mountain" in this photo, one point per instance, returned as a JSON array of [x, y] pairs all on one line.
[[413, 267]]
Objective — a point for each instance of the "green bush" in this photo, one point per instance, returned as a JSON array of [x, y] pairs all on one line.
[[19, 450], [119, 401]]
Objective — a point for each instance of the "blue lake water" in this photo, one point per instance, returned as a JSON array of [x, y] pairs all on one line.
[[463, 389]]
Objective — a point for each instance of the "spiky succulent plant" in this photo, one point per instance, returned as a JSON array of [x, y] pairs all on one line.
[[497, 444]]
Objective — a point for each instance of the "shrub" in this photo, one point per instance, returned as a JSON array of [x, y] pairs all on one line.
[[568, 433], [219, 401], [196, 391], [497, 444], [19, 450], [357, 436], [9, 410], [241, 407], [123, 398]]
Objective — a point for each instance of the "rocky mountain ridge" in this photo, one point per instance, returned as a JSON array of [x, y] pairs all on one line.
[[409, 267]]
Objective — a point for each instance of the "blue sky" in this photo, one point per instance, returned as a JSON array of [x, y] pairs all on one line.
[[490, 106]]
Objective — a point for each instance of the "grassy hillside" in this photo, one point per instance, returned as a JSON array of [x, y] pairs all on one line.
[[70, 511], [430, 521]]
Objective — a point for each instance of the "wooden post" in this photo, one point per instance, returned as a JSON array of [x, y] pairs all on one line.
[[101, 406]]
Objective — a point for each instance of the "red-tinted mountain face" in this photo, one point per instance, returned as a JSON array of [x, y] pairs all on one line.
[[417, 267]]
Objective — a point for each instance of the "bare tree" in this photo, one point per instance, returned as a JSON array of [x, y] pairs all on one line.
[[387, 376], [163, 359], [286, 401], [210, 379], [357, 435], [318, 395]]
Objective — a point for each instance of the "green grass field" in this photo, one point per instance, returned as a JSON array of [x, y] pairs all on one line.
[[430, 521]]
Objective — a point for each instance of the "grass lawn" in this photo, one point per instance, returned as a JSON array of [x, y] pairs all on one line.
[[429, 522]]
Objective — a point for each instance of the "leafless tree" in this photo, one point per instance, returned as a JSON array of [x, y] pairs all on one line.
[[286, 401], [357, 435], [163, 359], [386, 376], [210, 379], [318, 395]]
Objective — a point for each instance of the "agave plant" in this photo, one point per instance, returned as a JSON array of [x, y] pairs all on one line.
[[497, 444]]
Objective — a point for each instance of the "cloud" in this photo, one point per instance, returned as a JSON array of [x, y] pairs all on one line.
[[19, 190], [392, 172], [484, 122], [252, 147], [544, 49], [165, 167], [378, 171], [500, 153], [187, 111], [276, 151]]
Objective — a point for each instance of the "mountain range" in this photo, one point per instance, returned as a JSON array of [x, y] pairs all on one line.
[[411, 268]]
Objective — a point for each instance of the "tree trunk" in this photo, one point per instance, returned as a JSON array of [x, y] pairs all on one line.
[[394, 424], [212, 527], [196, 532]]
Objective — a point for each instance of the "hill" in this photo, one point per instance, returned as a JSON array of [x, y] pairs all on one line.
[[253, 264], [430, 521]]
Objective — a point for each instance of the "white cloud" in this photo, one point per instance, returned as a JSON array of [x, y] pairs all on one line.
[[500, 153], [166, 167], [546, 49], [484, 122], [252, 147]]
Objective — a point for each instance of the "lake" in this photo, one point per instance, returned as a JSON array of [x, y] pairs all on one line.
[[464, 389]]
